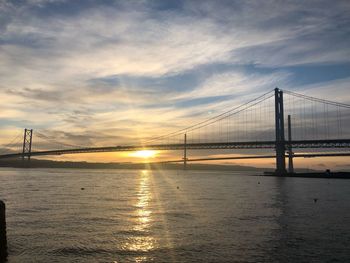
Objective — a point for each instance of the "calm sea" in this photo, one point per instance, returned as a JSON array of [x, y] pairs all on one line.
[[66, 215]]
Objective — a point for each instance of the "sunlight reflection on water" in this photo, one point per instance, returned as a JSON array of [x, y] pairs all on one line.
[[144, 218], [172, 216]]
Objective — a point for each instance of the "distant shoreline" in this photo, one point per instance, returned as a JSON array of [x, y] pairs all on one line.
[[325, 175], [35, 163], [45, 164]]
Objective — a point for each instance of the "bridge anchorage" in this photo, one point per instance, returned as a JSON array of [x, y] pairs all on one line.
[[258, 124]]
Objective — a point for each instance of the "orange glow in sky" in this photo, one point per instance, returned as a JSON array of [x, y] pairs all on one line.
[[144, 154]]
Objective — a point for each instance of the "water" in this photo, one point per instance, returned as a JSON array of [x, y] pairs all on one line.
[[173, 216]]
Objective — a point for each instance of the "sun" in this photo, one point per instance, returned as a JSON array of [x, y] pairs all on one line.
[[144, 154]]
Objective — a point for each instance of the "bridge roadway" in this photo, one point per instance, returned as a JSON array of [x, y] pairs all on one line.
[[335, 143], [303, 155]]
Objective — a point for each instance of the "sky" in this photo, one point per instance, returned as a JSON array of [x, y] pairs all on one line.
[[107, 72]]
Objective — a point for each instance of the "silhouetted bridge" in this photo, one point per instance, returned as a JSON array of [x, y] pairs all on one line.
[[243, 128], [191, 146]]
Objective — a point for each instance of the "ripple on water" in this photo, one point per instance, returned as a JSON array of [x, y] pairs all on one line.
[[214, 217], [80, 250]]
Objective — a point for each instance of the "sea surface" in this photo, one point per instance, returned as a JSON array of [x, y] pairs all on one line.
[[71, 215]]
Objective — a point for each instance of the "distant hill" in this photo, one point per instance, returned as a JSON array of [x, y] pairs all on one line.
[[35, 163]]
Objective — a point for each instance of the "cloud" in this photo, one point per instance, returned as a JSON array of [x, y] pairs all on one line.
[[130, 69], [239, 83]]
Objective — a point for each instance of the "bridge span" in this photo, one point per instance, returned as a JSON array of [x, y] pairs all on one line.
[[317, 124], [343, 143]]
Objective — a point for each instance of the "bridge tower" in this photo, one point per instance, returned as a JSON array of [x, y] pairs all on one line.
[[279, 126], [185, 151], [290, 149], [27, 143]]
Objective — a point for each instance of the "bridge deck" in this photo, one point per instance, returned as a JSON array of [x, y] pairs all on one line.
[[337, 143]]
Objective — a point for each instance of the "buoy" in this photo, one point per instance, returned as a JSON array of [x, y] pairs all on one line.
[[315, 200]]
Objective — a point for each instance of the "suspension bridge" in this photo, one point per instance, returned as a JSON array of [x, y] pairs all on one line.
[[279, 122]]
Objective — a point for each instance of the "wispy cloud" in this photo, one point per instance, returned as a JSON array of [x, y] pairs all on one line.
[[81, 66]]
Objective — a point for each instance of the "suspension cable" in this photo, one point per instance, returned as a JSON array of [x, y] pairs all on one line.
[[329, 102], [215, 118]]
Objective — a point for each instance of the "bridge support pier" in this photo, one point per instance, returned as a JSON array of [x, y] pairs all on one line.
[[27, 144], [280, 140], [290, 150]]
